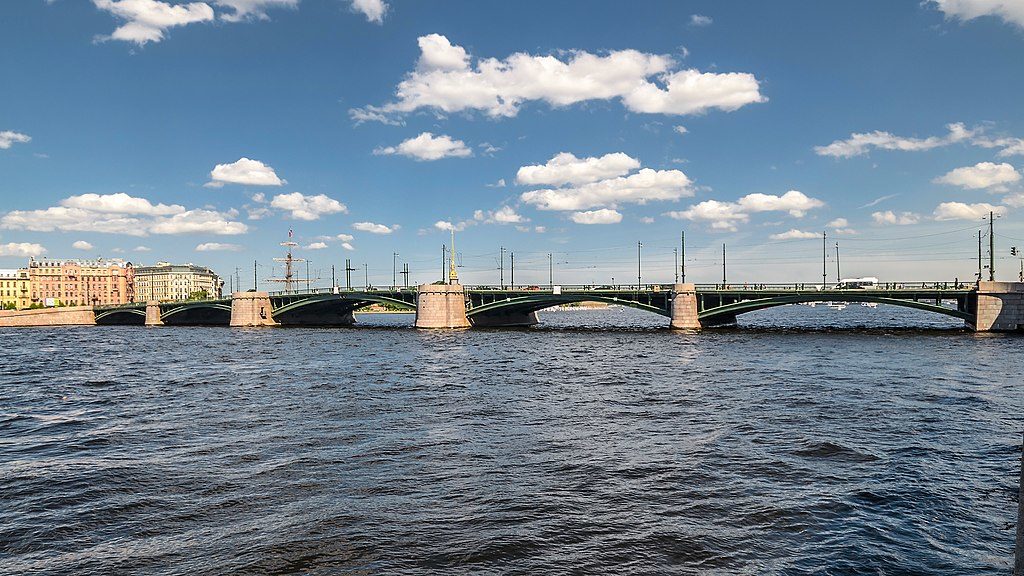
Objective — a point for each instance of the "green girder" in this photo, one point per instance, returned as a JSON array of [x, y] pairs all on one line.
[[762, 303], [537, 302], [182, 308], [360, 299]]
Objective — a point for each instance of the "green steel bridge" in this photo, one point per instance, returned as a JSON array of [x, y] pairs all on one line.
[[495, 305]]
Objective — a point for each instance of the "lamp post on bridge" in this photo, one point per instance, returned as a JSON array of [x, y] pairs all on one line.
[[639, 246]]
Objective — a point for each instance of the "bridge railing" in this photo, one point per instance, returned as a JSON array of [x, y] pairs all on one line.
[[343, 290]]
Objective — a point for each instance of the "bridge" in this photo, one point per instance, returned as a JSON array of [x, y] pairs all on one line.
[[983, 306]]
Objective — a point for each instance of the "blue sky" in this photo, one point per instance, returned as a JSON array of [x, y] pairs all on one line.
[[204, 131]]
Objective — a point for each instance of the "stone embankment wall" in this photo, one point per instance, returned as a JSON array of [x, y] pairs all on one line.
[[69, 316]]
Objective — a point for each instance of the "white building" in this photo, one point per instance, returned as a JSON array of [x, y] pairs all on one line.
[[165, 281]]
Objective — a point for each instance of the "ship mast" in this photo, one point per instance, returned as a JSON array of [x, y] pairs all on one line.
[[289, 269]]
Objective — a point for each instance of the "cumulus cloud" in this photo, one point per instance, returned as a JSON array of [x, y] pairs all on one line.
[[962, 211], [426, 146], [21, 249], [981, 175], [859, 144], [120, 203], [302, 207], [146, 20], [348, 246], [374, 10], [244, 171], [251, 9], [8, 138], [448, 225], [566, 168], [1010, 11], [446, 80], [121, 214], [589, 185], [794, 234], [726, 215], [503, 215], [217, 247], [892, 218], [680, 129], [700, 20], [315, 246], [602, 216], [142, 249], [841, 226], [82, 245], [373, 228], [345, 237]]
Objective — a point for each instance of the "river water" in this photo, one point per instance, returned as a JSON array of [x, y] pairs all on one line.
[[599, 442]]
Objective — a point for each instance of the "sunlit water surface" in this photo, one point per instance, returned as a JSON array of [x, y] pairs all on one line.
[[806, 441]]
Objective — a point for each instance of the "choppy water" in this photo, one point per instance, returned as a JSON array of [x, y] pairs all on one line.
[[383, 449]]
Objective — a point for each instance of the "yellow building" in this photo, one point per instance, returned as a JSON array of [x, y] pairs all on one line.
[[80, 282], [173, 282], [15, 289]]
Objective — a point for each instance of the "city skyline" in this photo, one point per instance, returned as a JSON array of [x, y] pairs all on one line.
[[203, 132]]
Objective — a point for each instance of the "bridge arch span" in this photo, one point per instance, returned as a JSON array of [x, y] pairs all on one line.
[[198, 314], [727, 313], [330, 309], [518, 310], [122, 316]]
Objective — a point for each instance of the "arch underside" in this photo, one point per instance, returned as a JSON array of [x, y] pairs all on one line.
[[524, 305], [205, 314], [330, 309], [123, 316], [730, 311]]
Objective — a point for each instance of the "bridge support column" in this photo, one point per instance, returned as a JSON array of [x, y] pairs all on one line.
[[153, 314], [684, 307], [999, 307], [441, 306], [251, 309]]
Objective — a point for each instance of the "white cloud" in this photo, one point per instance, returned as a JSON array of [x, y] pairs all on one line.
[[82, 245], [347, 246], [375, 228], [961, 211], [120, 203], [447, 226], [794, 234], [198, 222], [99, 217], [9, 138], [315, 246], [374, 10], [251, 9], [890, 217], [503, 215], [602, 216], [680, 129], [244, 171], [1011, 11], [446, 81], [721, 215], [142, 249], [345, 237], [302, 207], [839, 223], [566, 168], [146, 20], [639, 188], [1015, 200], [981, 175], [426, 146], [647, 220], [858, 144], [217, 247], [21, 249], [726, 215], [699, 20], [794, 202], [499, 184]]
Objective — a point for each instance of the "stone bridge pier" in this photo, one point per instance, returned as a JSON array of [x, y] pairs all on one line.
[[998, 307], [251, 309], [684, 307], [153, 314], [441, 306]]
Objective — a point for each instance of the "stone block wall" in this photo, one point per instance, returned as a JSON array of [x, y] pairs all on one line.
[[999, 307], [69, 316], [441, 306], [684, 307], [252, 309]]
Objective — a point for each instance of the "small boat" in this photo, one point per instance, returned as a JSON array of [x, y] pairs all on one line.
[[869, 304], [836, 305]]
